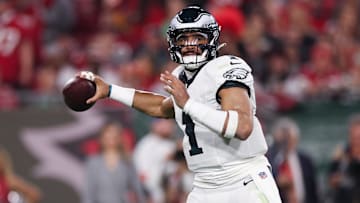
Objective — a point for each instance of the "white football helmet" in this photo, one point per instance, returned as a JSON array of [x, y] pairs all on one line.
[[193, 19]]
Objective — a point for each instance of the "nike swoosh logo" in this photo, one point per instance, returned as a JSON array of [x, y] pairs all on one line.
[[247, 182]]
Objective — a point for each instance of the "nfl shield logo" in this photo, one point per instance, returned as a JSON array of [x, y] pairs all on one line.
[[263, 175]]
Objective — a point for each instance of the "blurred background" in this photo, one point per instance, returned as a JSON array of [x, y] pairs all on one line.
[[305, 56]]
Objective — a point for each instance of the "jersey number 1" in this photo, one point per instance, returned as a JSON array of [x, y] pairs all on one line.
[[190, 132]]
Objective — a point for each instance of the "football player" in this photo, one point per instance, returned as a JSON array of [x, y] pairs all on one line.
[[212, 99]]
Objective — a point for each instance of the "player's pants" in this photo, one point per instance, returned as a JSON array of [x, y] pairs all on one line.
[[257, 187]]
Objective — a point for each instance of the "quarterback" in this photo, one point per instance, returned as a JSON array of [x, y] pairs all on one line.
[[212, 99]]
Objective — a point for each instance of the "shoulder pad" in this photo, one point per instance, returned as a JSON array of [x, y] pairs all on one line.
[[230, 67]]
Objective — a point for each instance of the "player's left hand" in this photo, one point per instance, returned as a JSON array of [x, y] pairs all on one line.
[[175, 87]]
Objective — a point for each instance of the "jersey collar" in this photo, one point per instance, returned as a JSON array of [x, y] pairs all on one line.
[[184, 78]]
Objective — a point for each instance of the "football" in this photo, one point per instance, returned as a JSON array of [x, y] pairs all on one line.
[[76, 91]]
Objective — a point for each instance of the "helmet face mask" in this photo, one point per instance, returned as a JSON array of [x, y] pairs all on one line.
[[194, 27]]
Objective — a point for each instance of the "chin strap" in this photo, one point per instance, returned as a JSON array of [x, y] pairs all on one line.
[[221, 46]]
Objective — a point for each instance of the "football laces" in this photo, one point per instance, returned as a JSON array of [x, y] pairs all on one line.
[[87, 75]]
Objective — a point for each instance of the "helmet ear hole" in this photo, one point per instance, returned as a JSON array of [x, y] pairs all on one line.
[[193, 19]]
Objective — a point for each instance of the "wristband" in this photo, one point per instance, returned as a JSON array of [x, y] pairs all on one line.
[[122, 94]]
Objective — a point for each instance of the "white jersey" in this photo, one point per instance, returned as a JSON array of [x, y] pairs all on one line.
[[215, 160]]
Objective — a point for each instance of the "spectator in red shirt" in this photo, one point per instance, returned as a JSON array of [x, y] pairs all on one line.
[[16, 46], [324, 79]]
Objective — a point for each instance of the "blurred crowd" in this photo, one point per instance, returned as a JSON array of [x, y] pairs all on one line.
[[300, 50]]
